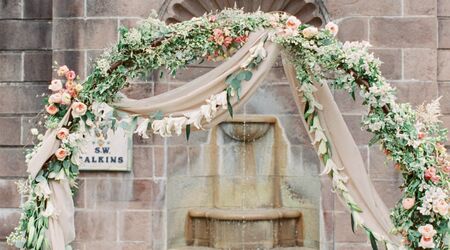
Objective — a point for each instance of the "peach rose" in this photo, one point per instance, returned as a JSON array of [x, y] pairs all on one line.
[[310, 32], [441, 207], [66, 98], [421, 135], [78, 109], [293, 23], [446, 169], [62, 133], [70, 84], [332, 27], [51, 109], [62, 70], [55, 85], [78, 87], [408, 203], [61, 154], [427, 231], [426, 242], [55, 98], [70, 75]]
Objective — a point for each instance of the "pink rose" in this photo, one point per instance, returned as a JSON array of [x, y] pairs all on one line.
[[55, 85], [61, 154], [408, 203], [55, 98], [70, 75], [227, 41], [435, 178], [429, 173], [62, 133], [427, 231], [426, 242], [440, 207], [78, 109], [293, 23], [241, 39], [212, 18], [66, 98], [332, 27], [446, 169], [62, 70], [51, 109]]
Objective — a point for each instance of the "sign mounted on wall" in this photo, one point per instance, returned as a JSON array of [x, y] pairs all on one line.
[[113, 153]]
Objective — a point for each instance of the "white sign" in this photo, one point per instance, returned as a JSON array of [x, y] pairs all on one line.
[[112, 154]]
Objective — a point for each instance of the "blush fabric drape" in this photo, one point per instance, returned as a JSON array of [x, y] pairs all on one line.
[[192, 95]]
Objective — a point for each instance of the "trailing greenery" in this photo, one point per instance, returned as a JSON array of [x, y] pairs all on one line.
[[413, 139]]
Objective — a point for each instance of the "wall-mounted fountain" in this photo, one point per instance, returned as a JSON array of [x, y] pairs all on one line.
[[250, 204]]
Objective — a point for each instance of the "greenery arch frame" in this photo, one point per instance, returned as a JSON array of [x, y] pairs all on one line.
[[411, 138]]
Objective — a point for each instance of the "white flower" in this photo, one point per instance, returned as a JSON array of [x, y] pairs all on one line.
[[34, 131], [103, 66], [206, 111], [255, 52], [159, 127], [221, 99], [310, 32], [55, 85], [177, 124], [332, 27], [49, 210], [42, 190], [195, 118], [141, 130]]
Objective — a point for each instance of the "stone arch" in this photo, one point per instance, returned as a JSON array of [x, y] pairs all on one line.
[[308, 11]]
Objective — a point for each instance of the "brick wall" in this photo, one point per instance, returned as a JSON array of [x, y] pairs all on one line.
[[127, 210]]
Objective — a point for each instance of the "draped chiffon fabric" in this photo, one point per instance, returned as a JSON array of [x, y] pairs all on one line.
[[194, 94]]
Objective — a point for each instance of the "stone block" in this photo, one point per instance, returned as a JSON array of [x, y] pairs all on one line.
[[68, 8], [391, 59], [33, 34], [11, 9], [135, 226], [389, 191], [121, 194], [444, 91], [29, 96], [354, 29], [443, 65], [180, 190], [416, 93], [444, 33], [11, 66], [84, 34], [139, 8], [10, 127], [9, 195], [420, 7], [380, 168], [411, 32], [12, 162], [354, 246], [96, 225], [272, 99], [200, 159], [297, 132], [79, 197], [37, 66], [177, 161], [346, 103], [446, 124], [345, 8], [142, 162], [103, 245], [443, 8], [159, 158], [360, 136], [420, 64], [38, 9], [345, 234], [8, 220], [75, 60]]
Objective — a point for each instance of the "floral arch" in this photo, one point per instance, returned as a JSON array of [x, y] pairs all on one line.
[[248, 43]]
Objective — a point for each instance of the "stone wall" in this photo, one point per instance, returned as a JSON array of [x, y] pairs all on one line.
[[128, 210]]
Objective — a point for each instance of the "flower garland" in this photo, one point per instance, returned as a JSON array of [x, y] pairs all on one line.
[[411, 138]]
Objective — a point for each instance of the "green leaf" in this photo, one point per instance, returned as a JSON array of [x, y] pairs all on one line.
[[229, 106], [373, 241], [241, 75], [158, 115], [66, 164], [374, 140], [352, 221], [188, 131]]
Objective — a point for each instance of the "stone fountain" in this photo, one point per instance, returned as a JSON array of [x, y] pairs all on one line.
[[247, 209]]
